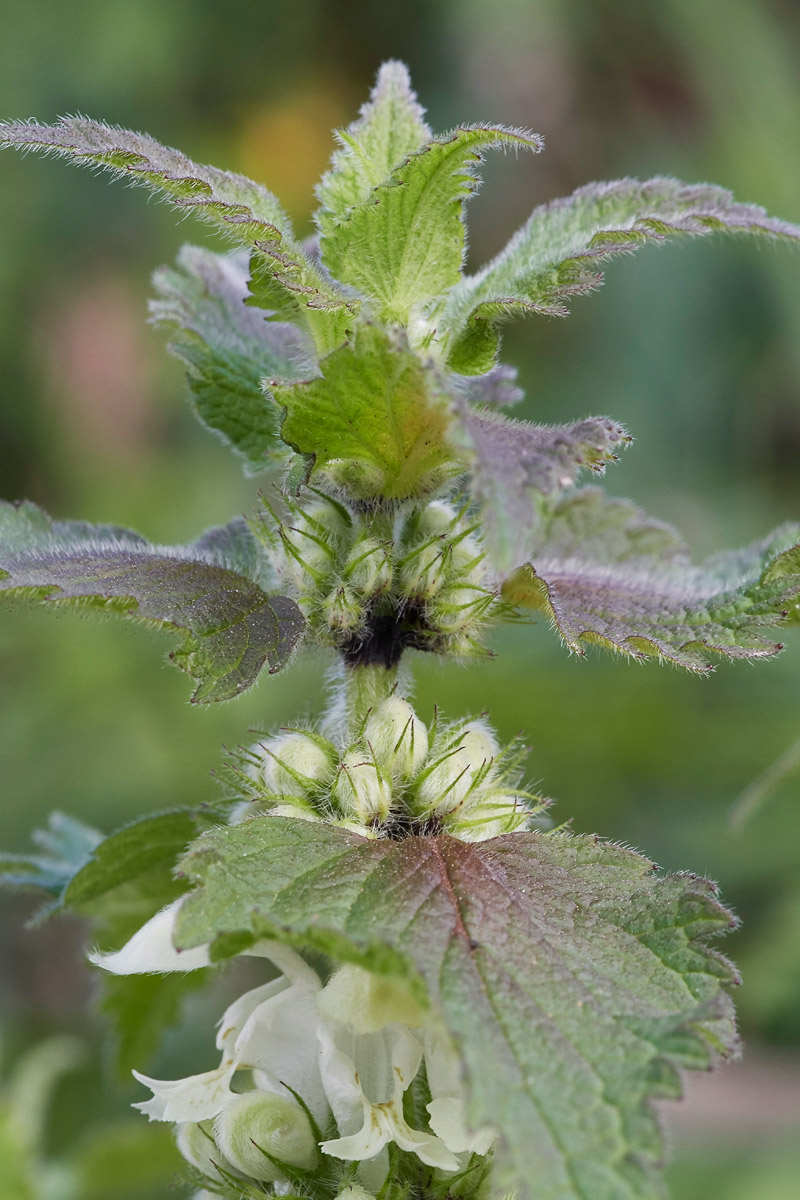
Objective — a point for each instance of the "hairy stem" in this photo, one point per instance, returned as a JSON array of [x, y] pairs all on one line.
[[365, 688]]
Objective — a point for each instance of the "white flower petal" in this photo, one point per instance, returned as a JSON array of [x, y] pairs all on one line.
[[447, 1122], [279, 1040], [288, 961], [152, 951], [236, 1015], [195, 1098]]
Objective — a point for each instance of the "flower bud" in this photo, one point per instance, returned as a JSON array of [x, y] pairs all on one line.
[[260, 1121], [361, 789], [444, 788], [297, 762], [363, 480], [342, 610], [423, 572], [492, 813], [436, 518], [299, 810], [196, 1143], [368, 1002], [368, 568], [457, 607], [397, 737]]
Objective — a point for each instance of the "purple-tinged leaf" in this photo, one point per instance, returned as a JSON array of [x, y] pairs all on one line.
[[514, 464], [607, 575], [498, 388], [555, 255], [574, 981], [231, 626], [229, 348], [243, 210]]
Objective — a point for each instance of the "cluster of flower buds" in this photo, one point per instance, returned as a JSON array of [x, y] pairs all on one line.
[[396, 771], [420, 566], [310, 1092]]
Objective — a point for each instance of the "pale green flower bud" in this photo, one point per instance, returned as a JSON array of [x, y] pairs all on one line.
[[361, 789], [368, 1002], [447, 785], [458, 607], [363, 480], [343, 611], [354, 1191], [423, 573], [297, 809], [297, 762], [467, 558], [196, 1143], [492, 813], [368, 567], [257, 1121], [397, 737], [436, 518]]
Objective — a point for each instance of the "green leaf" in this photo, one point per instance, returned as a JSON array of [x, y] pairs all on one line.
[[390, 126], [128, 879], [231, 625], [405, 244], [243, 210], [228, 349], [64, 847], [514, 464], [607, 575], [573, 979], [372, 420], [556, 253]]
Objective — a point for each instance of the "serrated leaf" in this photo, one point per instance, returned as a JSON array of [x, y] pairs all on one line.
[[372, 418], [607, 575], [556, 253], [390, 126], [228, 349], [573, 979], [405, 244], [242, 209], [231, 626], [514, 464]]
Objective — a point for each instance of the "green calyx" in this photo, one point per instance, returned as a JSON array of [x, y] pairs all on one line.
[[373, 583], [390, 775]]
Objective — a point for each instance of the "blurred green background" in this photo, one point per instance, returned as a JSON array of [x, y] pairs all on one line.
[[696, 348]]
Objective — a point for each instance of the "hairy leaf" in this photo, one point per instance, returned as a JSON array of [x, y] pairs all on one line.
[[496, 388], [390, 126], [228, 349], [605, 574], [231, 625], [556, 253], [405, 244], [371, 420], [573, 979], [514, 464], [240, 208]]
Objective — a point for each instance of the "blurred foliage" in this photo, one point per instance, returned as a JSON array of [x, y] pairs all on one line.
[[696, 349]]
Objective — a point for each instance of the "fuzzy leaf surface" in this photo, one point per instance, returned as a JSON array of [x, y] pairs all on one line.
[[405, 244], [372, 417], [606, 574], [228, 348], [243, 210], [514, 464], [231, 626], [573, 979], [556, 253], [390, 126]]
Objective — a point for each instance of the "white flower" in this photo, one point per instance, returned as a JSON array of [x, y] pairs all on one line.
[[349, 1051], [152, 950], [446, 1109]]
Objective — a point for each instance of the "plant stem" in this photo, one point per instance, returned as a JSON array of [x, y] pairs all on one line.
[[365, 688]]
